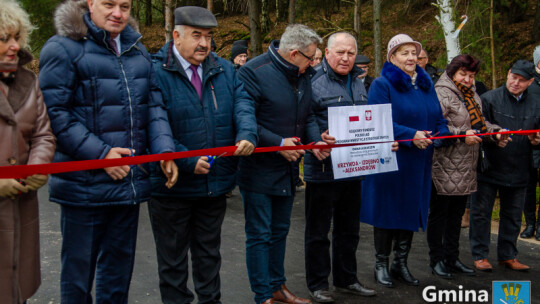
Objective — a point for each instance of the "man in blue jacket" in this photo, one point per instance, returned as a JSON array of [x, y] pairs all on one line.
[[280, 83], [97, 82], [336, 84], [208, 107]]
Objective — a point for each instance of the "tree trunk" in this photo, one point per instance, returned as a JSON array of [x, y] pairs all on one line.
[[493, 71], [137, 10], [292, 10], [356, 25], [210, 5], [255, 28], [446, 19], [169, 20], [265, 17], [377, 36], [148, 13], [536, 26]]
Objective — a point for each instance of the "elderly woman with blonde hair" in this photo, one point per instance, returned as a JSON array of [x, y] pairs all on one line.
[[26, 139]]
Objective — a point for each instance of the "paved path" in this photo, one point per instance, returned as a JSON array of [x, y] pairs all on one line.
[[235, 285]]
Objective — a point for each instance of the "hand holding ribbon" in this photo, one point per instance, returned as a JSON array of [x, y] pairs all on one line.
[[291, 155]]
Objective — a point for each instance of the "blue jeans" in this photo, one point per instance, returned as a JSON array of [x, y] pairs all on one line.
[[268, 218], [98, 240]]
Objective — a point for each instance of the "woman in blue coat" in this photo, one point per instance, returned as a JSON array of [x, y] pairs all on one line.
[[396, 203]]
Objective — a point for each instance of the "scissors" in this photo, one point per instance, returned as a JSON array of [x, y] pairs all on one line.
[[212, 158], [139, 165]]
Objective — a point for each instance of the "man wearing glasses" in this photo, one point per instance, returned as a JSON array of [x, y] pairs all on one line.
[[423, 62], [280, 84]]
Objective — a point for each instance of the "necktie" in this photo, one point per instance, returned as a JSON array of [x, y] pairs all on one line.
[[196, 80], [112, 42]]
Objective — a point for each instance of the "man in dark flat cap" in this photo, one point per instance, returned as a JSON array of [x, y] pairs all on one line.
[[208, 108], [513, 108], [363, 62]]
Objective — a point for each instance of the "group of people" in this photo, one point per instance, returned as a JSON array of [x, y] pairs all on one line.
[[101, 95]]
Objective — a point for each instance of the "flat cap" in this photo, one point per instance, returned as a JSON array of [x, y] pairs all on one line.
[[194, 16], [361, 59], [524, 68]]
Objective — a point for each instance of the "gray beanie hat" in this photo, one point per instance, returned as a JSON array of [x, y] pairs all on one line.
[[536, 55]]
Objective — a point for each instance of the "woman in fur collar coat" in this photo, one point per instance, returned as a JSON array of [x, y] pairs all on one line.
[[26, 139], [396, 203]]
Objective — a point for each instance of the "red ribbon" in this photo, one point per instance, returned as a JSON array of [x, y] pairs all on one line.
[[22, 171]]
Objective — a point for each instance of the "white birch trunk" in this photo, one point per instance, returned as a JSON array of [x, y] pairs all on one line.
[[446, 19]]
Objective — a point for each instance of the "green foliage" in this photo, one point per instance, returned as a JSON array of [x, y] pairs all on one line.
[[474, 37], [41, 15]]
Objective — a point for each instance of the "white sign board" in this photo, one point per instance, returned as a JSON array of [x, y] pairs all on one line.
[[366, 125]]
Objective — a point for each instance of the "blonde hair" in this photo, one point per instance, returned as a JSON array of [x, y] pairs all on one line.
[[14, 19]]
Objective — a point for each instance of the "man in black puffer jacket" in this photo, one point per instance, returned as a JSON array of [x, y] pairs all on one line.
[[511, 107]]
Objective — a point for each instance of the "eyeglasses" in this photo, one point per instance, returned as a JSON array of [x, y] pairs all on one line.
[[307, 57]]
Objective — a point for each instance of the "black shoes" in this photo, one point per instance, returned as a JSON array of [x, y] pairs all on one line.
[[440, 270], [400, 271], [528, 232], [357, 289], [537, 237], [458, 267], [321, 296], [382, 275]]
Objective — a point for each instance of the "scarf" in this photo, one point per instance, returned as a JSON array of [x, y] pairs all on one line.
[[477, 120]]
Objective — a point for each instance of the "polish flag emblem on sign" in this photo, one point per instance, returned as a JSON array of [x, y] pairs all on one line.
[[354, 118], [368, 115]]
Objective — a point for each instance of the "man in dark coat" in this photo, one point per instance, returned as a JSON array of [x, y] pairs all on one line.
[[98, 84], [335, 84], [208, 108], [511, 107], [363, 62], [532, 218], [280, 83], [423, 62], [239, 53]]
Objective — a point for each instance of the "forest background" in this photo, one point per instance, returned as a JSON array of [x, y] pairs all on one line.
[[515, 26]]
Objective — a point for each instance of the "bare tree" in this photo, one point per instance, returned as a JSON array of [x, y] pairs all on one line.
[[148, 13], [446, 19], [536, 26], [255, 27], [169, 19], [292, 10], [356, 25], [493, 73], [377, 39], [265, 18], [210, 5]]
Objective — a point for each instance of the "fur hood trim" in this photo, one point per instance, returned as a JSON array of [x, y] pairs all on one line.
[[69, 22], [402, 82]]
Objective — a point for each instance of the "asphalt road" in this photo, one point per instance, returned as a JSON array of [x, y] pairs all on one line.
[[235, 285]]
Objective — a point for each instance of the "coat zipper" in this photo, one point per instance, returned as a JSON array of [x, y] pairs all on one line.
[[131, 125], [214, 95]]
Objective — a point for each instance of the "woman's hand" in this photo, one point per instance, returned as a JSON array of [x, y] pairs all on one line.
[[472, 139], [421, 140], [10, 188]]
